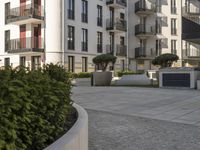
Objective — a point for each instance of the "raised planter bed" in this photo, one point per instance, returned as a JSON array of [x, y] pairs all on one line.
[[77, 137]]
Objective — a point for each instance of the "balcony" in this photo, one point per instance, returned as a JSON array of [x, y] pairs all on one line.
[[119, 25], [142, 53], [25, 14], [121, 50], [24, 45], [116, 3], [110, 49], [144, 8], [191, 54], [84, 17], [145, 31]]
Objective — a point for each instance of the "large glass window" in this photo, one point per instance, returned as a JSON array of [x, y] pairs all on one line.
[[84, 40], [71, 11], [84, 14]]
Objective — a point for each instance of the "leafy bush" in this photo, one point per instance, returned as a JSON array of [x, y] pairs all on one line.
[[103, 60], [165, 60], [34, 107], [121, 73]]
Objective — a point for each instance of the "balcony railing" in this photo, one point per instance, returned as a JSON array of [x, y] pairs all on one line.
[[99, 48], [84, 46], [118, 24], [189, 10], [110, 49], [121, 50], [99, 22], [25, 12], [144, 7], [117, 2], [71, 14], [173, 10], [145, 29], [189, 53], [141, 52], [84, 17], [29, 44]]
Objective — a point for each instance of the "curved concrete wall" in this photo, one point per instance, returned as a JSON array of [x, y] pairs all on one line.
[[77, 137]]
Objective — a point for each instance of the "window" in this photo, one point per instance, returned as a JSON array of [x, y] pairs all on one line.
[[173, 27], [7, 40], [7, 62], [84, 43], [71, 38], [158, 6], [84, 14], [99, 16], [158, 25], [173, 6], [35, 61], [173, 47], [71, 7], [122, 65], [112, 39], [99, 42], [71, 63], [84, 64], [22, 61], [158, 47], [7, 11]]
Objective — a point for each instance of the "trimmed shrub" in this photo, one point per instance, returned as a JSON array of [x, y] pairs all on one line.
[[103, 60], [84, 75], [34, 107], [165, 60]]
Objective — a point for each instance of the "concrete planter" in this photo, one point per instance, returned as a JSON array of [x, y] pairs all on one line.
[[102, 78], [77, 137]]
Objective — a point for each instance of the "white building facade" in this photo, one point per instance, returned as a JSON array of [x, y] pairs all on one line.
[[163, 26], [67, 32]]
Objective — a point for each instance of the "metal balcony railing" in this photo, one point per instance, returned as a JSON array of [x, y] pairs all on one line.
[[84, 46], [192, 52], [142, 5], [121, 50], [24, 12], [110, 49], [141, 52], [145, 29], [71, 14], [25, 45], [173, 9], [191, 10], [119, 2], [99, 21], [99, 48], [84, 17], [118, 24]]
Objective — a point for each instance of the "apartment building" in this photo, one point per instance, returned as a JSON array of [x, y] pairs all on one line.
[[67, 32], [163, 26]]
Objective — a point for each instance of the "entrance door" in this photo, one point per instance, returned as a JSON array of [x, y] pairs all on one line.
[[23, 36]]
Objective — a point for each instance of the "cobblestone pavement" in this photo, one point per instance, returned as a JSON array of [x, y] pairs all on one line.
[[126, 118]]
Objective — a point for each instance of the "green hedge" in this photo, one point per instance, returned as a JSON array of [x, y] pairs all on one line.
[[81, 75], [121, 73], [34, 107]]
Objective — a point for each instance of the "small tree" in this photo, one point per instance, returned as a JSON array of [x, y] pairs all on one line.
[[165, 60], [103, 60]]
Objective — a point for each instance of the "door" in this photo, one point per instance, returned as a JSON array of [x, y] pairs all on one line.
[[36, 41], [37, 7], [23, 36]]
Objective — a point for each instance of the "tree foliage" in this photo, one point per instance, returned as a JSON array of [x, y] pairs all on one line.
[[103, 60], [34, 107], [165, 60]]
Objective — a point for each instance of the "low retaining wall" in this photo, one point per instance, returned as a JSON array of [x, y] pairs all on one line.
[[77, 137]]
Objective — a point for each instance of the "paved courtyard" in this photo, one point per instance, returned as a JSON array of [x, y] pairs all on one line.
[[130, 118]]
